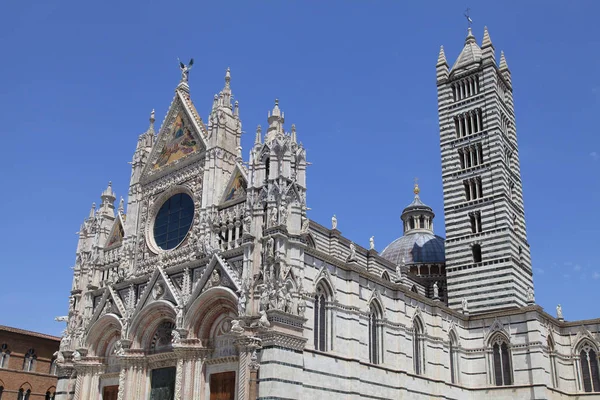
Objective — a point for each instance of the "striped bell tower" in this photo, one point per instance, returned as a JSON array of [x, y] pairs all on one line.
[[488, 261]]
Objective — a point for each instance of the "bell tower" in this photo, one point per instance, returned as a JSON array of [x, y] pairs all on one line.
[[488, 261]]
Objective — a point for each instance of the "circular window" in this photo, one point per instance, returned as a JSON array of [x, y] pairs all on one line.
[[173, 221]]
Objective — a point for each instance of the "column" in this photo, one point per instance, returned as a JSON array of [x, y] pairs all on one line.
[[248, 363], [472, 122], [479, 120], [471, 188]]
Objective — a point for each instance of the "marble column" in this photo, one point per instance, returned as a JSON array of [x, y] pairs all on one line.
[[247, 347]]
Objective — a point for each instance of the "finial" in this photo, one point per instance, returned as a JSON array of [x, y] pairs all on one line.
[[185, 70], [227, 77], [487, 41], [468, 17], [276, 102], [152, 119], [236, 108], [416, 189], [121, 205], [92, 211]]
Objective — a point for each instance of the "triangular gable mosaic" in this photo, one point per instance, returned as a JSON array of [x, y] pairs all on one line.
[[236, 188], [115, 237], [180, 136]]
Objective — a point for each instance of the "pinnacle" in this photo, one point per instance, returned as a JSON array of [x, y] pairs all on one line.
[[470, 38], [258, 132], [503, 64], [441, 57], [487, 42], [152, 119]]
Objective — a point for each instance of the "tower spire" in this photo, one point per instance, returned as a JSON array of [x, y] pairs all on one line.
[[503, 65], [487, 41], [441, 58]]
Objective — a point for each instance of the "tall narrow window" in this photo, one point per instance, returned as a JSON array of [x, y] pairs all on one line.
[[418, 358], [453, 358], [589, 369], [476, 253], [53, 367], [374, 334], [552, 358], [29, 360], [502, 364], [320, 321]]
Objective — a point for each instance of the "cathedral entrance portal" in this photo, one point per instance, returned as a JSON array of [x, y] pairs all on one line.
[[222, 386], [162, 384], [110, 392]]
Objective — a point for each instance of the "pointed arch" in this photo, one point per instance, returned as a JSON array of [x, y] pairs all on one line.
[[386, 276], [499, 342], [207, 308], [310, 241], [589, 371], [101, 333], [375, 318], [324, 277], [146, 322], [453, 353], [322, 315], [551, 348], [418, 328]]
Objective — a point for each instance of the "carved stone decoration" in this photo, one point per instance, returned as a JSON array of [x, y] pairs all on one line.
[[254, 364], [301, 305], [559, 313], [236, 327], [283, 213], [352, 256], [465, 306], [158, 291], [263, 321], [273, 217], [530, 296]]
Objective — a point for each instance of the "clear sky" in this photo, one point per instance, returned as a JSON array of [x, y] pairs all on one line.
[[79, 79]]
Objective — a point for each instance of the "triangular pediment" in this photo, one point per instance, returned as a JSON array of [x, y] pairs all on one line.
[[115, 238], [181, 136], [236, 187], [159, 287]]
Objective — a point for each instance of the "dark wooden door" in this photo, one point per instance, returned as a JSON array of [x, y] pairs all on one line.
[[162, 384], [110, 393], [222, 386]]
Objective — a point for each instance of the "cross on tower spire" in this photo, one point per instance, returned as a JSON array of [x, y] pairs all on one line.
[[468, 16]]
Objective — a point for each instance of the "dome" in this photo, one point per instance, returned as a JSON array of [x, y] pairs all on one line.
[[416, 247]]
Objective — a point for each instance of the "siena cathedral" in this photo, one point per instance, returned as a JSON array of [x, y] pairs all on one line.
[[210, 281]]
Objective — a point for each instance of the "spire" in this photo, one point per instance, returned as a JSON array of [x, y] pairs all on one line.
[[92, 212], [470, 54], [108, 194], [441, 58], [486, 42], [293, 133], [276, 119], [503, 64], [417, 215], [258, 132], [225, 95], [236, 109]]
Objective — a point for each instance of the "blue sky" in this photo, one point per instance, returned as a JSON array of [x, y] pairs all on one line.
[[356, 77]]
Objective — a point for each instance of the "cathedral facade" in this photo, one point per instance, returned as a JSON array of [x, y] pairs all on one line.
[[211, 282]]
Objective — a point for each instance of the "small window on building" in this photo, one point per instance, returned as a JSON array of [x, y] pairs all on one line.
[[4, 355], [320, 319], [476, 253], [374, 334], [418, 359], [453, 344], [29, 361]]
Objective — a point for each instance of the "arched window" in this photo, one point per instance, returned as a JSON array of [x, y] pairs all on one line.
[[414, 289], [418, 358], [453, 344], [53, 366], [590, 376], [375, 315], [552, 358], [49, 395], [29, 360], [321, 320], [502, 363], [4, 355], [476, 253], [1, 391], [385, 276], [24, 394]]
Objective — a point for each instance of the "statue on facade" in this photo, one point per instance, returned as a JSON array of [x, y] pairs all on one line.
[[305, 225], [236, 327], [264, 298], [465, 305], [283, 213], [559, 313], [242, 300], [399, 271], [436, 290], [175, 336], [372, 243], [270, 248], [352, 255], [301, 305], [288, 303], [185, 70], [333, 222], [273, 218], [263, 320], [179, 317], [247, 222], [530, 296]]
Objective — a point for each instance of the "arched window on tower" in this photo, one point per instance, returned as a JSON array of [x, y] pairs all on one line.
[[476, 253], [375, 315], [552, 358], [4, 355], [590, 375], [23, 394], [453, 345], [418, 347], [320, 318], [29, 360], [502, 362]]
